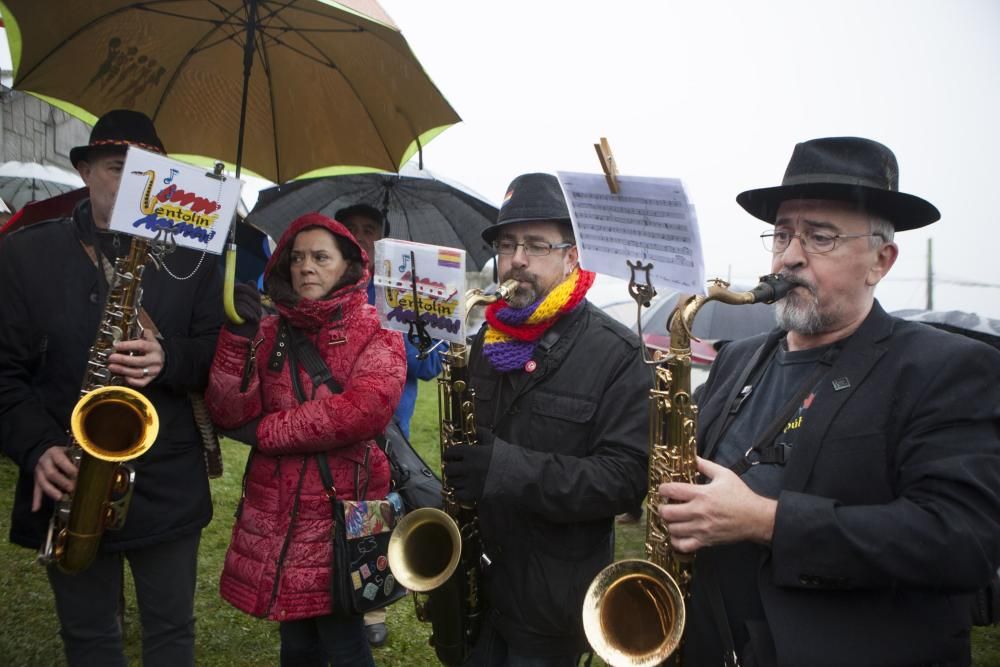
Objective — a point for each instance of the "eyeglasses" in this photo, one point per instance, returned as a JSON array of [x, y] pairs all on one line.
[[813, 242], [531, 248]]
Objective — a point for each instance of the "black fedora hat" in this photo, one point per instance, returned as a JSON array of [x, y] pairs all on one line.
[[530, 198], [120, 128], [844, 169]]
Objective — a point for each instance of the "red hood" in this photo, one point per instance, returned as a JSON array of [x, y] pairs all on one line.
[[308, 313]]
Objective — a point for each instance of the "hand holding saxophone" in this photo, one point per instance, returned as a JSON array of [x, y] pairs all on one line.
[[55, 475], [466, 466], [723, 511], [139, 361]]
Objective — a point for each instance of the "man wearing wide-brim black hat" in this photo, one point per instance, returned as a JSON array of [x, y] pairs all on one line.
[[852, 458], [54, 283]]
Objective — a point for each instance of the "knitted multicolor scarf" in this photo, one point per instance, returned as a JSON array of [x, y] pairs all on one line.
[[513, 333]]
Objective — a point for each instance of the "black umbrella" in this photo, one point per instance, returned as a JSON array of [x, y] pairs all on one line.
[[972, 325], [418, 205], [25, 182]]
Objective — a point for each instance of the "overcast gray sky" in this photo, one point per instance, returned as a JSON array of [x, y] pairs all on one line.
[[717, 92]]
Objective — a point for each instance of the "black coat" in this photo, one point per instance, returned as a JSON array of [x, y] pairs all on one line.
[[889, 513], [51, 300], [570, 453]]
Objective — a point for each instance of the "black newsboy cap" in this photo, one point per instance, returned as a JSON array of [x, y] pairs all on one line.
[[530, 198]]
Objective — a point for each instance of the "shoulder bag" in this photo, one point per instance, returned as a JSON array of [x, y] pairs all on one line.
[[361, 580]]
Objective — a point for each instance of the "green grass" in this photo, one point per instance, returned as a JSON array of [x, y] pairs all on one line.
[[29, 633]]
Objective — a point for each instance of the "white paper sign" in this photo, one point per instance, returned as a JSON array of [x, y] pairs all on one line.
[[650, 221], [159, 196], [439, 273]]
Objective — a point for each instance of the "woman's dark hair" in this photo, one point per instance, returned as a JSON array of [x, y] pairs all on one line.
[[352, 255]]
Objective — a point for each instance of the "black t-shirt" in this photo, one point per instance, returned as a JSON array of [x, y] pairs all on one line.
[[781, 381], [735, 566]]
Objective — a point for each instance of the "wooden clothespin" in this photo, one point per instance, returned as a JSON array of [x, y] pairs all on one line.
[[608, 164]]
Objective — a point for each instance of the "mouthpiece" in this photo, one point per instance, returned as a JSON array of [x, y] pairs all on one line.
[[773, 287], [505, 290]]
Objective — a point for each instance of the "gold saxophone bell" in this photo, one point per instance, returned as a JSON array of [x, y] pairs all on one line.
[[634, 614], [111, 425], [114, 423], [424, 549]]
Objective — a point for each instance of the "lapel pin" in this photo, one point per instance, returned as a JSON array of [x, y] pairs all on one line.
[[841, 383], [531, 366]]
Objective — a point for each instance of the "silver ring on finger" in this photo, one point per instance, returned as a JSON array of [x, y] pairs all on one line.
[[145, 372]]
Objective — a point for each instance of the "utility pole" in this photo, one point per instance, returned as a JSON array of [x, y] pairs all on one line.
[[930, 275]]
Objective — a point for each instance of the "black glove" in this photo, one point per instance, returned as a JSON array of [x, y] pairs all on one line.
[[466, 467], [247, 433], [246, 301]]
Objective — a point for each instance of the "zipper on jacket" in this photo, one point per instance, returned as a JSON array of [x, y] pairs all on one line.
[[288, 536]]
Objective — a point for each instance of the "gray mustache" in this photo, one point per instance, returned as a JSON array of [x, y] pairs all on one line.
[[795, 280]]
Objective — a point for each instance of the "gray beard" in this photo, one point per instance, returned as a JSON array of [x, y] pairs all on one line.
[[800, 314]]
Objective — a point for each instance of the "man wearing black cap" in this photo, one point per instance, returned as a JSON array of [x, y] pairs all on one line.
[[852, 459], [561, 396], [54, 279]]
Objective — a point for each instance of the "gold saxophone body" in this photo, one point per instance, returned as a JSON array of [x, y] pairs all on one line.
[[110, 424], [634, 610], [436, 553]]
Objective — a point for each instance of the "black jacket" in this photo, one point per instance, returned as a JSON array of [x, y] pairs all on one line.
[[570, 453], [51, 300], [889, 513]]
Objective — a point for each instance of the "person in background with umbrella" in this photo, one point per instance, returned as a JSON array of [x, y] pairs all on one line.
[[280, 559], [368, 225], [53, 288], [852, 458]]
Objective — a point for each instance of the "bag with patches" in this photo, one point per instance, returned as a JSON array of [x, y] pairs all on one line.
[[361, 578]]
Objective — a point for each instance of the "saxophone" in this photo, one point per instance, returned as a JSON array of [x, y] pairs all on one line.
[[634, 610], [436, 553], [110, 424]]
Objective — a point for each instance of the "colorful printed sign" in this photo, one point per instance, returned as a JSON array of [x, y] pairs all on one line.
[[159, 197], [439, 275]]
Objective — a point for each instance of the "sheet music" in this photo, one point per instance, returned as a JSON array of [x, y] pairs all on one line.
[[650, 220]]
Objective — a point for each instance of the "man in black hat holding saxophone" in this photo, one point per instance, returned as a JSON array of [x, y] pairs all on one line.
[[852, 459], [54, 283], [561, 404]]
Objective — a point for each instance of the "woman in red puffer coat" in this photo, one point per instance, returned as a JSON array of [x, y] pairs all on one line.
[[280, 558]]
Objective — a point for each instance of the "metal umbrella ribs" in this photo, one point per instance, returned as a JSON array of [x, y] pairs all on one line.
[[315, 84]]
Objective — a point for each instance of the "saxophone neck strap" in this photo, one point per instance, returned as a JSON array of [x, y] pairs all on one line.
[[764, 449], [760, 360], [108, 271]]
